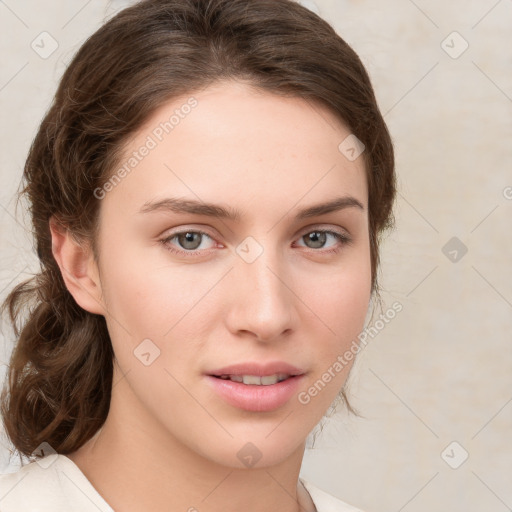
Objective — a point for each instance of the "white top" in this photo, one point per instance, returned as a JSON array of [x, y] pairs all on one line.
[[56, 484]]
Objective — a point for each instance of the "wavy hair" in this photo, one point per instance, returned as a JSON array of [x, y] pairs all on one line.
[[59, 381]]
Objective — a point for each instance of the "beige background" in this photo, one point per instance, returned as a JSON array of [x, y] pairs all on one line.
[[440, 371]]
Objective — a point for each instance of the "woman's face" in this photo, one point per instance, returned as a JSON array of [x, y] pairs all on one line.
[[269, 287]]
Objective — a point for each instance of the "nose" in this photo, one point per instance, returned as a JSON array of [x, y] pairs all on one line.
[[262, 303]]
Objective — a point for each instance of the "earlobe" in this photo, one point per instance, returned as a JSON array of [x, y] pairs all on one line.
[[78, 269]]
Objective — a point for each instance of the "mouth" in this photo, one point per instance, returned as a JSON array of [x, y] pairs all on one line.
[[255, 387], [256, 380]]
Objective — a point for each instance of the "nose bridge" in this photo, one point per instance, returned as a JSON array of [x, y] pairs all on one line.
[[263, 302]]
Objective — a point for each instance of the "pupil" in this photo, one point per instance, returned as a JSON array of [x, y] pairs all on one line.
[[189, 238], [316, 236]]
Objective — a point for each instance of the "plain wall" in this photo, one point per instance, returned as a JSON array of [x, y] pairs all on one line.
[[440, 371]]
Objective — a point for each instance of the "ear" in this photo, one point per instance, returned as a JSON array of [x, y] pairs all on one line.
[[78, 269]]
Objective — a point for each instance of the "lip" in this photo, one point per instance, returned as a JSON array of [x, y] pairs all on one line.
[[253, 397], [261, 370]]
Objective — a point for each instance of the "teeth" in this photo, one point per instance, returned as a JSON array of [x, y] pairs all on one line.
[[269, 379], [252, 379], [255, 380]]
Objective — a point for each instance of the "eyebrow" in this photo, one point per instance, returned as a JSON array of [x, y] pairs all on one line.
[[177, 205]]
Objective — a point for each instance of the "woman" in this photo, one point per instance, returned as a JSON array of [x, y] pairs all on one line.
[[207, 192]]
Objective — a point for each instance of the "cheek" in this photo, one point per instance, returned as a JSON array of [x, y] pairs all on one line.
[[341, 294], [155, 301], [344, 313], [341, 301], [148, 293], [342, 305]]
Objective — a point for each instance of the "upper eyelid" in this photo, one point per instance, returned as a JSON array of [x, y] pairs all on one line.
[[306, 229]]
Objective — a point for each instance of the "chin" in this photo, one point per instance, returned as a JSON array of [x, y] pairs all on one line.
[[257, 449]]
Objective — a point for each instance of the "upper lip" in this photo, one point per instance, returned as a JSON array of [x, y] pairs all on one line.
[[258, 369]]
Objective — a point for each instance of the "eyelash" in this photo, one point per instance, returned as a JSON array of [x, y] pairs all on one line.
[[342, 238]]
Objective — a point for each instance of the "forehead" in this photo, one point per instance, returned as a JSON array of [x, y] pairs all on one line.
[[248, 146]]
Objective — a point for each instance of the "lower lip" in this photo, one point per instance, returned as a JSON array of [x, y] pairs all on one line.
[[256, 398]]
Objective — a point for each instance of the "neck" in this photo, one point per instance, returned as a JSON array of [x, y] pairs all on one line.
[[135, 464]]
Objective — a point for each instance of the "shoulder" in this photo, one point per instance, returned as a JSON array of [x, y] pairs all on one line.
[[56, 484], [325, 502], [53, 483]]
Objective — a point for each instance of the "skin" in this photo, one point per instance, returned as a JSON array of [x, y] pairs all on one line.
[[170, 442]]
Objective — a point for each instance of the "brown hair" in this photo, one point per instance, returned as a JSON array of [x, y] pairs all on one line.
[[59, 381]]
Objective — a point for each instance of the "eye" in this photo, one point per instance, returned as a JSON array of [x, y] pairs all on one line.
[[318, 237], [189, 242]]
